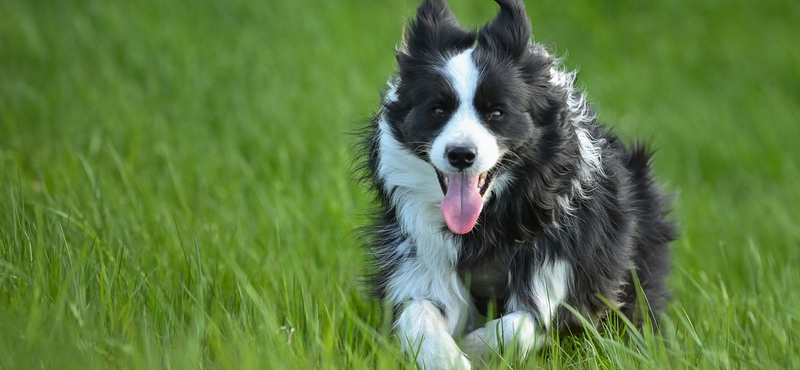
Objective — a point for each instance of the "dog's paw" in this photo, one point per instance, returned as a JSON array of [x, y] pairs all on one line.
[[443, 361], [442, 358], [462, 363], [515, 332], [477, 344]]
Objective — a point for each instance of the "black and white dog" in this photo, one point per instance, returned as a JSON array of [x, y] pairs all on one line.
[[497, 184]]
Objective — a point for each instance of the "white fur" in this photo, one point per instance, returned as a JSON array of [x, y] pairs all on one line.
[[580, 116], [424, 335], [416, 194], [549, 285], [429, 281], [391, 92], [464, 127], [412, 182], [591, 154]]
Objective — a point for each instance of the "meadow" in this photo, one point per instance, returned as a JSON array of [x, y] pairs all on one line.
[[175, 188]]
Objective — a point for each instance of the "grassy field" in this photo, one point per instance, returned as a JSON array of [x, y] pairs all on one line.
[[174, 188]]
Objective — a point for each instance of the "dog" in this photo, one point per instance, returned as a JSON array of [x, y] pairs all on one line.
[[498, 189]]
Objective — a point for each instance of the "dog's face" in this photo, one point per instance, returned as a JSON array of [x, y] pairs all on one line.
[[465, 103]]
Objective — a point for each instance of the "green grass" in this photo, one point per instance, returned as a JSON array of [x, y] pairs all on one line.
[[174, 187]]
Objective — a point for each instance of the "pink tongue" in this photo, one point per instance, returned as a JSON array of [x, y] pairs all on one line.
[[462, 204]]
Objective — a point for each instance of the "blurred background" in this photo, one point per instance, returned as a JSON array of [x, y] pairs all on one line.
[[175, 189]]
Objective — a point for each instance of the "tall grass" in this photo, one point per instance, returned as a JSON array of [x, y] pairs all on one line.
[[174, 187]]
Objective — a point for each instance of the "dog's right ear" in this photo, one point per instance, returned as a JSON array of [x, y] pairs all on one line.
[[434, 31], [510, 32]]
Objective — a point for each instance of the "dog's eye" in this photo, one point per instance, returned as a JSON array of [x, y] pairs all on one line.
[[439, 111], [495, 114]]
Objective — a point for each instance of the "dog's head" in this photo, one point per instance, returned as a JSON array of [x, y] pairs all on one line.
[[465, 102]]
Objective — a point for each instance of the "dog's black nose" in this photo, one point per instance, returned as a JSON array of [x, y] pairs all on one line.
[[461, 157]]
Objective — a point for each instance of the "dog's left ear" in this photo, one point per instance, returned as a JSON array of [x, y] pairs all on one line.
[[510, 32]]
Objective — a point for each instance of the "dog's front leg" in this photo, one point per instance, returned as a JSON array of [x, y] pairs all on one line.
[[532, 307], [517, 331], [423, 331]]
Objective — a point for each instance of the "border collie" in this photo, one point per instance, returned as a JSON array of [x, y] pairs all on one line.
[[498, 188]]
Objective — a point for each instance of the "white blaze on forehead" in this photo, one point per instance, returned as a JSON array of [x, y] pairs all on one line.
[[464, 127], [463, 75]]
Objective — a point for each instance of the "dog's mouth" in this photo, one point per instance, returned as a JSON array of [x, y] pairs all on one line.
[[463, 198], [483, 181]]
